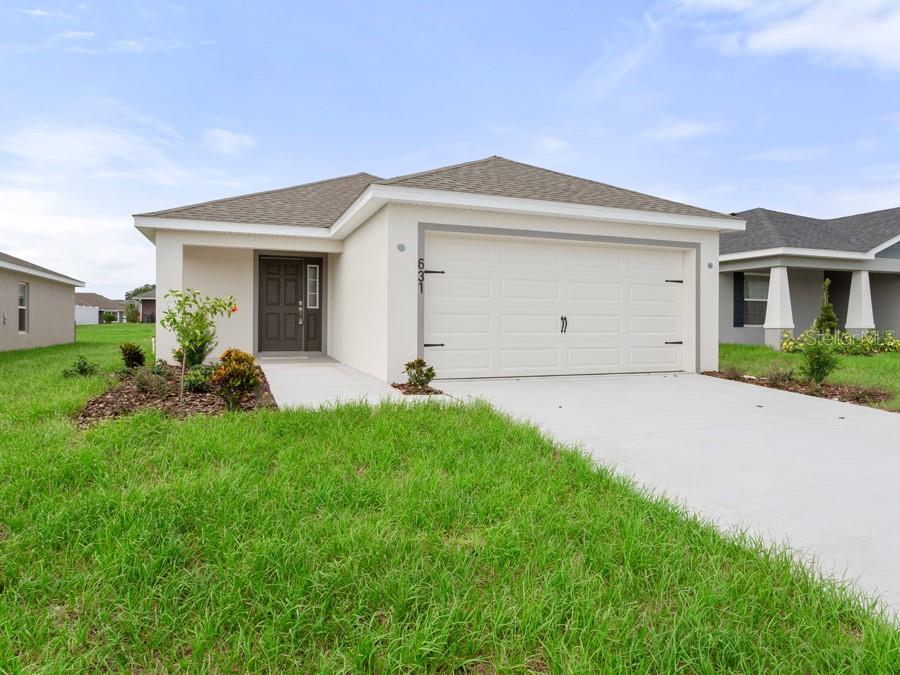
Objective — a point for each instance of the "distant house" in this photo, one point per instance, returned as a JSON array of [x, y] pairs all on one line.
[[147, 305], [35, 305], [90, 308], [771, 274]]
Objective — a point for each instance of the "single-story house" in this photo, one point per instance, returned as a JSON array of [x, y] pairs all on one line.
[[90, 308], [35, 305], [771, 274], [491, 268], [146, 302]]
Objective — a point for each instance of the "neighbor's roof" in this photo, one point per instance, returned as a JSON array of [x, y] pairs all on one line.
[[97, 300], [146, 295], [8, 261], [321, 204], [774, 229]]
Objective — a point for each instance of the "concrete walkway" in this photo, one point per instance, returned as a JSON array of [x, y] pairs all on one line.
[[820, 475], [315, 381]]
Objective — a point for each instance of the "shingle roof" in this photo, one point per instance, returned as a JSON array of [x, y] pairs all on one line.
[[97, 300], [774, 229], [146, 295], [506, 178], [316, 204], [12, 260], [321, 204]]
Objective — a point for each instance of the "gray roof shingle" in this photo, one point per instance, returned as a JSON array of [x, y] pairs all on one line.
[[100, 301], [774, 229], [316, 204], [321, 204], [12, 260]]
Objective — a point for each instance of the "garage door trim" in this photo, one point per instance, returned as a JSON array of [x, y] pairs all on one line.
[[425, 227]]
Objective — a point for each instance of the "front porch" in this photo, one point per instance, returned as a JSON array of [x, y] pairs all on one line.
[[759, 302]]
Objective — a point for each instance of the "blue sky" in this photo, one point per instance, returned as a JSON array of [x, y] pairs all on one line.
[[113, 108]]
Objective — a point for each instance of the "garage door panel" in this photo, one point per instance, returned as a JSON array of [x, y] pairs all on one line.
[[529, 289], [497, 308]]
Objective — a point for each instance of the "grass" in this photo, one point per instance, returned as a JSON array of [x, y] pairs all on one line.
[[359, 539], [881, 371]]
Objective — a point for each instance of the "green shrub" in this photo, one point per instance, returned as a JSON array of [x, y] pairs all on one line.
[[160, 368], [419, 374], [827, 322], [197, 379], [81, 368], [779, 375], [819, 361], [149, 382], [132, 355], [235, 377]]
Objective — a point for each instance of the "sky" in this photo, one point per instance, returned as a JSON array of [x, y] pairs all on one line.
[[121, 107]]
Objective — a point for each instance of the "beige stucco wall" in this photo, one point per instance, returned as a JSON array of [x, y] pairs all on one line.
[[51, 317], [220, 272], [357, 300]]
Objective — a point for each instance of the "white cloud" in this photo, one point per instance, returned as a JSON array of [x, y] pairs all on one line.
[[40, 13], [788, 154], [111, 255], [127, 46], [859, 33], [619, 61], [552, 143], [680, 130], [225, 142], [75, 35]]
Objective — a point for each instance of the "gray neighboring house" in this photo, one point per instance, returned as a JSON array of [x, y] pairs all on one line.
[[35, 305], [90, 308], [771, 274]]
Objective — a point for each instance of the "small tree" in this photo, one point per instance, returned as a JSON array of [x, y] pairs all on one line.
[[132, 312], [827, 322], [819, 361], [192, 319]]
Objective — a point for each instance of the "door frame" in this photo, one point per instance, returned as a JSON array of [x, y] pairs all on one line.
[[686, 246], [323, 293]]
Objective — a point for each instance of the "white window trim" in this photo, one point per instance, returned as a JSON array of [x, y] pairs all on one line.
[[20, 306], [309, 304], [746, 299]]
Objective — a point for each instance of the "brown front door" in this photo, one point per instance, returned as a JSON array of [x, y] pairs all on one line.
[[290, 304]]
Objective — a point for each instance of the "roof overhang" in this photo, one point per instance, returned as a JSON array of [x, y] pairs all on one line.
[[800, 252], [52, 276], [376, 196]]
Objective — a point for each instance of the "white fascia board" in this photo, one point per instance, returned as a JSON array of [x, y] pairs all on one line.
[[148, 225], [801, 252], [20, 269], [890, 242], [375, 196]]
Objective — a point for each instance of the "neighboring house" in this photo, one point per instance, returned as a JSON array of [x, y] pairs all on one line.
[[490, 268], [771, 274], [146, 306], [35, 305], [90, 308]]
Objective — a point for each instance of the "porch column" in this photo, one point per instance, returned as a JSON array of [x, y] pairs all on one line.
[[779, 316], [859, 309]]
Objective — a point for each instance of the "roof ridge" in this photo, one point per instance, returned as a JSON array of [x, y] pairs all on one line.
[[389, 181], [558, 173], [222, 200]]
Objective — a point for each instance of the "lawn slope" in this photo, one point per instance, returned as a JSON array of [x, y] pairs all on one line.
[[410, 538]]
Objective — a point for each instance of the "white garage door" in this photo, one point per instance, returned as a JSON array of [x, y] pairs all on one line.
[[514, 306]]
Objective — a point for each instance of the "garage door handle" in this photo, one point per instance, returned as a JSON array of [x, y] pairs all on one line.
[[674, 281], [433, 344], [674, 342]]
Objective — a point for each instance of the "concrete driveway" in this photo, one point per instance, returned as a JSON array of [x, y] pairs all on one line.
[[820, 475]]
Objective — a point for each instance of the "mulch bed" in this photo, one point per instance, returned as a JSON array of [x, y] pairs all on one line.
[[415, 390], [124, 397], [838, 392]]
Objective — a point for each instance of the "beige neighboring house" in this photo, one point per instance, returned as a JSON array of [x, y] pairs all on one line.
[[90, 308], [491, 268], [146, 303], [35, 305]]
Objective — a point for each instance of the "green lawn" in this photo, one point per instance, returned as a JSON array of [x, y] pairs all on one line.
[[427, 537], [881, 370]]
